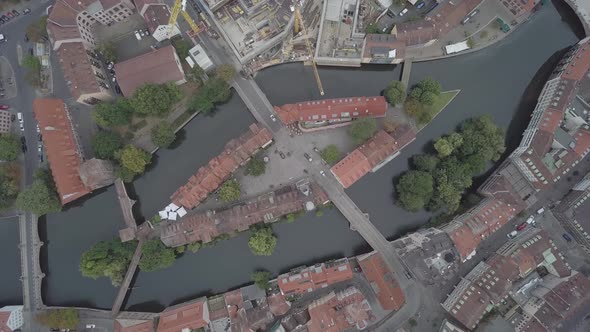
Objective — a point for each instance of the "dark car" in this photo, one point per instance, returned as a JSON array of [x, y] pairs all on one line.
[[567, 237], [26, 38], [117, 89], [15, 12], [31, 51], [23, 147], [5, 18], [282, 155], [23, 140]]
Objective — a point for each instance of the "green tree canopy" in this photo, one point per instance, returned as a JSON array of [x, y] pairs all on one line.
[[41, 196], [415, 190], [9, 183], [255, 167], [156, 256], [230, 191], [426, 91], [133, 159], [214, 91], [182, 47], [196, 74], [105, 144], [37, 31], [9, 147], [262, 241], [363, 129], [59, 318], [194, 247], [112, 114], [163, 134], [107, 259], [225, 72], [425, 162], [413, 107], [261, 279], [331, 154], [482, 136], [155, 99], [395, 93]]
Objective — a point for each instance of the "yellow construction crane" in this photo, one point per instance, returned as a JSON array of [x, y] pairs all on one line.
[[180, 6], [300, 27]]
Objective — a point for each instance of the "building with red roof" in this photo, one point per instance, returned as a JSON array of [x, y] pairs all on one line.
[[340, 311], [382, 280], [329, 111], [191, 315], [209, 177], [307, 279], [11, 318], [61, 146], [383, 48], [372, 155]]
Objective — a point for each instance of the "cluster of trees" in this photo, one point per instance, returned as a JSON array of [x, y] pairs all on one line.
[[256, 166], [230, 191], [331, 154], [9, 147], [363, 129], [395, 93], [113, 114], [181, 46], [438, 181], [215, 90], [41, 197], [132, 161], [108, 51], [423, 95], [67, 319], [107, 259], [156, 256], [9, 183], [163, 134], [262, 241]]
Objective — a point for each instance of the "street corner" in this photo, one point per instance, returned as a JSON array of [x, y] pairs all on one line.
[[8, 88]]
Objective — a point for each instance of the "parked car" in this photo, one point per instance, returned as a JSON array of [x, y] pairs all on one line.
[[22, 127], [90, 326], [512, 234], [4, 107], [567, 237], [31, 51], [20, 117], [5, 18], [521, 226], [273, 118], [38, 129], [110, 65], [26, 38], [26, 11], [403, 12], [137, 35], [117, 89], [421, 4], [142, 33], [308, 157], [316, 149], [23, 140], [282, 155], [9, 14], [530, 220], [147, 32], [541, 210], [15, 12], [23, 147], [323, 173], [2, 38]]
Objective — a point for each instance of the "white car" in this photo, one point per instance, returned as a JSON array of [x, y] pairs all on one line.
[[2, 38], [403, 12], [142, 33], [273, 118], [323, 173], [38, 130], [90, 326], [22, 127], [137, 35], [512, 234]]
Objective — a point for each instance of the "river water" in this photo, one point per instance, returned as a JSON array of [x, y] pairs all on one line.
[[494, 81]]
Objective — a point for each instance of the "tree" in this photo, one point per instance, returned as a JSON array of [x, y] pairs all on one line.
[[31, 62], [202, 104], [155, 99], [261, 279], [37, 31], [182, 47], [133, 160], [194, 247], [445, 145], [156, 256], [107, 259], [41, 196], [230, 191], [225, 72], [9, 147], [105, 144], [426, 91], [214, 91], [10, 175], [363, 129], [413, 107], [256, 167], [425, 162], [395, 93], [108, 51], [389, 125], [262, 241], [331, 154], [112, 114], [163, 134], [196, 74], [481, 135], [59, 318], [415, 190], [471, 42]]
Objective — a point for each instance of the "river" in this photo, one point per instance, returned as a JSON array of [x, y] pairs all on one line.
[[493, 81]]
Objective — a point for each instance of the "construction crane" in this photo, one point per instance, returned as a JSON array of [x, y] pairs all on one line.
[[180, 7], [300, 27]]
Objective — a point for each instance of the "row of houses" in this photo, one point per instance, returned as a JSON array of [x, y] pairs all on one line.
[[250, 308], [209, 177]]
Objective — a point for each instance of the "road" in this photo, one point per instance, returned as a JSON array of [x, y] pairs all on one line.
[[262, 110]]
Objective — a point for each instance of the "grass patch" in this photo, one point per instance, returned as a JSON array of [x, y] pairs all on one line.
[[440, 102]]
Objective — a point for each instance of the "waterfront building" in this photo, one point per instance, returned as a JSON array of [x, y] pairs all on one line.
[[192, 315], [573, 213], [209, 177], [340, 311], [155, 67], [382, 280], [372, 155], [331, 111], [307, 279], [11, 318]]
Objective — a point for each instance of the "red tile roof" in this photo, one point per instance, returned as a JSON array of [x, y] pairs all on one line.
[[378, 42], [61, 148], [142, 5], [209, 177], [4, 316], [156, 15], [369, 155], [314, 277], [416, 32], [341, 311], [580, 63], [63, 15], [383, 282], [332, 109], [278, 305], [77, 70], [464, 239], [192, 315], [474, 300], [157, 67]]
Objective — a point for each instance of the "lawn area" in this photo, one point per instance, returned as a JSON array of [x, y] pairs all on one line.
[[440, 103]]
